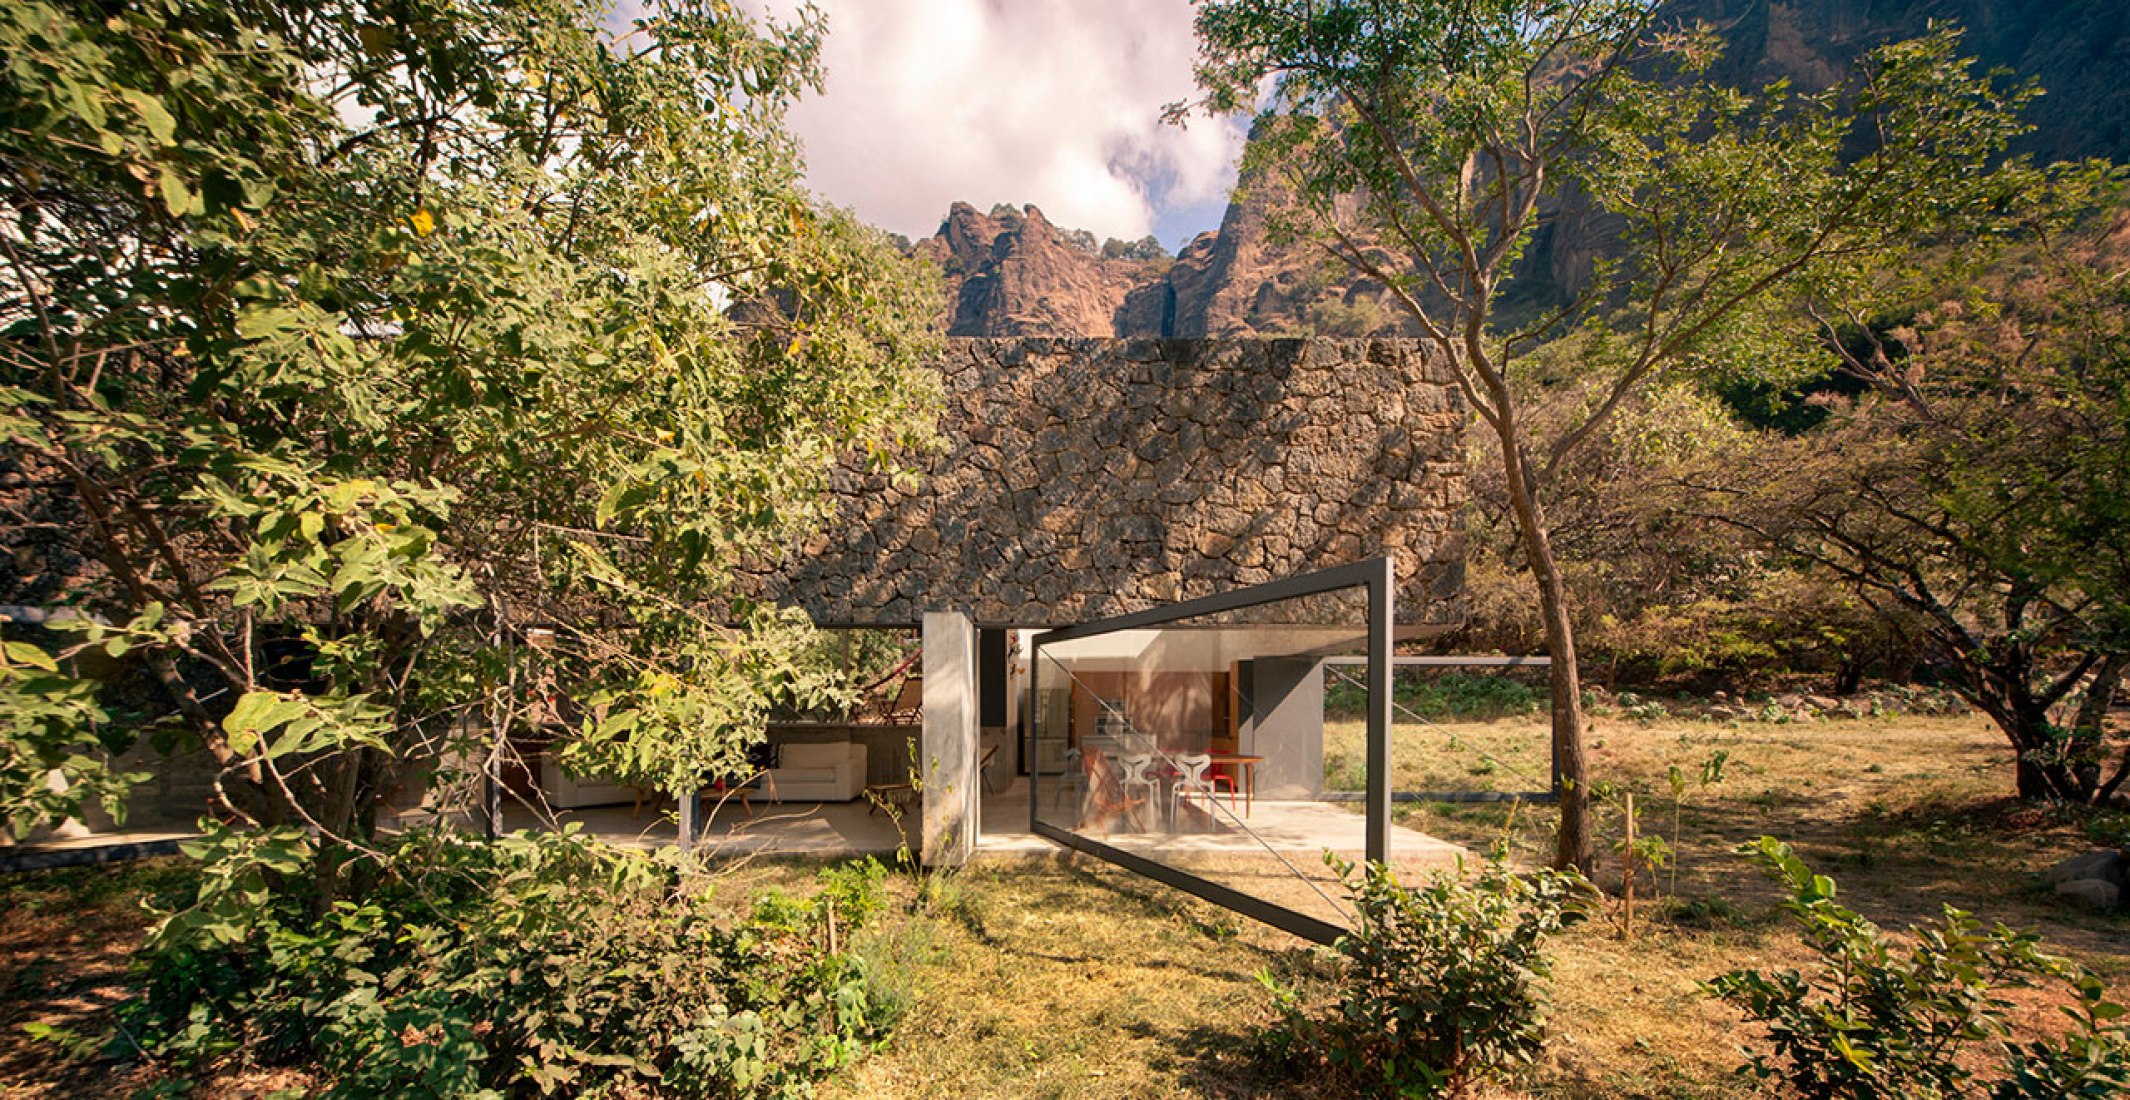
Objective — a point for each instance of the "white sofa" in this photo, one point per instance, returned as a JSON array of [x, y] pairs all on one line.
[[831, 772], [569, 792]]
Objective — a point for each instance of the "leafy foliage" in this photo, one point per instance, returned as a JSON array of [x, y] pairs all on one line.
[[50, 721], [1440, 985], [539, 964], [1875, 1020], [1659, 594], [339, 361]]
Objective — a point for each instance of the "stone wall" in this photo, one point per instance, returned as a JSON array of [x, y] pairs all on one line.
[[1082, 478]]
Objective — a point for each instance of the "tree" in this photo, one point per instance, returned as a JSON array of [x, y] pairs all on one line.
[[1980, 486], [376, 375], [1659, 593], [1425, 144]]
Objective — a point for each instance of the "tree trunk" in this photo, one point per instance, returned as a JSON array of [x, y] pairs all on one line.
[[2089, 729], [1850, 677], [1573, 846], [2035, 784], [2045, 773]]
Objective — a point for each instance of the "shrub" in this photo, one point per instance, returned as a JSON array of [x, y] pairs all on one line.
[[1876, 1021], [541, 963], [1450, 695], [1440, 986]]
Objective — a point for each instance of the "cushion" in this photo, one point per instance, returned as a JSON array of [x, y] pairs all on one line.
[[806, 775], [815, 756]]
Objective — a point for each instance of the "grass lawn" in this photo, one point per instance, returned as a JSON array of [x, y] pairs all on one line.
[[1054, 978]]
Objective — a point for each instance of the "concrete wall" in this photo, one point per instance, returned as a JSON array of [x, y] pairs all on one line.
[[1082, 478]]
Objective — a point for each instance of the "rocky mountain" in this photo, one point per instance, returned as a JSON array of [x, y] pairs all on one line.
[[1012, 273], [2078, 50]]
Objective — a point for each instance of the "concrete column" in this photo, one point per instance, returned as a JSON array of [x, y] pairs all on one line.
[[691, 823], [948, 751], [1286, 726]]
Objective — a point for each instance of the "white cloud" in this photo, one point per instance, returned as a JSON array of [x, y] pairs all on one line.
[[1051, 102]]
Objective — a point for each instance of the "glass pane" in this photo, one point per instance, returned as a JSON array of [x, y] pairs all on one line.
[[1201, 744], [1460, 727]]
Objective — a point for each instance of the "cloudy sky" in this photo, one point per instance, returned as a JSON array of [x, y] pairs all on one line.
[[1051, 102]]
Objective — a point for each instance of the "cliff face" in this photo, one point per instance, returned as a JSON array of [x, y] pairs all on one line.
[[2078, 50], [1014, 274]]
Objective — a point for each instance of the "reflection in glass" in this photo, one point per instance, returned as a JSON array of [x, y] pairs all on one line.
[[1199, 744]]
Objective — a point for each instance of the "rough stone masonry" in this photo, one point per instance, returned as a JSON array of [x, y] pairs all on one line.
[[1082, 478]]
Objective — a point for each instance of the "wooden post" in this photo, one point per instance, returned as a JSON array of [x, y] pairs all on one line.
[[1628, 858]]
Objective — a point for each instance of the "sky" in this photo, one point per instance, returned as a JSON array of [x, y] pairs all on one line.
[[1051, 102]]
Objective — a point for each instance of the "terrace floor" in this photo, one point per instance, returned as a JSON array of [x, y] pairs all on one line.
[[1304, 829]]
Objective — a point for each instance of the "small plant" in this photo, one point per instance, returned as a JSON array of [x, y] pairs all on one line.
[[1441, 986], [1642, 710], [931, 884], [1642, 851], [1709, 775], [1639, 852], [2109, 827], [1875, 1021], [1705, 912]]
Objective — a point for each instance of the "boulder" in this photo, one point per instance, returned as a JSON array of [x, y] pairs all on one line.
[[2091, 893], [2107, 865]]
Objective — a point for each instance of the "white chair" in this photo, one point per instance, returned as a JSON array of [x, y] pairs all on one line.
[[1073, 779], [565, 791], [1136, 766], [1194, 780]]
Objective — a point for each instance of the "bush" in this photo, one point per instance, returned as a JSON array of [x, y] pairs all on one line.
[[1440, 986], [541, 963], [1450, 695], [1874, 1021]]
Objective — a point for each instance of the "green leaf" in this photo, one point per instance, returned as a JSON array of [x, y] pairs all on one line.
[[158, 120], [266, 322], [26, 654], [177, 196], [621, 497], [256, 713]]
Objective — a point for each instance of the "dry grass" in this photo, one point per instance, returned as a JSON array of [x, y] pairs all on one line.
[[1063, 978], [1076, 980]]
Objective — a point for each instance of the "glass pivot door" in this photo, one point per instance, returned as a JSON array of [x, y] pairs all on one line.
[[1188, 743]]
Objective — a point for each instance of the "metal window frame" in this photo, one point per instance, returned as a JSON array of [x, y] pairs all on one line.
[[1377, 577]]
